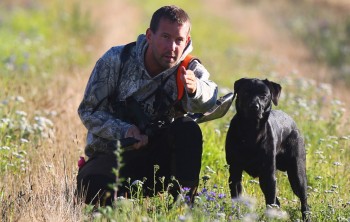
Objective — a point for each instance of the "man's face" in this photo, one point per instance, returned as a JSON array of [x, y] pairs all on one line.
[[167, 44]]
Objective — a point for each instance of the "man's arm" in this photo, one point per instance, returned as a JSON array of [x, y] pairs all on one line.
[[94, 109], [205, 94]]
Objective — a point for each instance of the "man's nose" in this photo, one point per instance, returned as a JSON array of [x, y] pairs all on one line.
[[172, 45]]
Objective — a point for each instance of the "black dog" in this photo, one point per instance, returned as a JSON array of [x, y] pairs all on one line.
[[261, 140]]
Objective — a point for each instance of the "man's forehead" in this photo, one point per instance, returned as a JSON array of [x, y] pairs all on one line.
[[165, 24]]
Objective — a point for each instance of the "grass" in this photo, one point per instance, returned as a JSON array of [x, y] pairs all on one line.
[[33, 35], [38, 158]]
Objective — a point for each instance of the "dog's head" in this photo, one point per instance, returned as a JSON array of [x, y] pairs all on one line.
[[255, 97]]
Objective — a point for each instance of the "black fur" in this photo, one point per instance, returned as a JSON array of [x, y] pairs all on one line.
[[261, 140]]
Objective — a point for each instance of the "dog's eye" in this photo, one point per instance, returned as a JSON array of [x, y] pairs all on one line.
[[263, 96]]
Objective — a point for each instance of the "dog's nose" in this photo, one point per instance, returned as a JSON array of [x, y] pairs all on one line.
[[255, 106]]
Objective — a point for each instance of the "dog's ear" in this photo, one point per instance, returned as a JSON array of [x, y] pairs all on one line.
[[275, 90], [238, 85]]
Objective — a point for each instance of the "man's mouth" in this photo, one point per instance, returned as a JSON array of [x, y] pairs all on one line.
[[170, 58]]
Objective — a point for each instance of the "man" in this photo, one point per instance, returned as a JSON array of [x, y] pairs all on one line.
[[140, 80]]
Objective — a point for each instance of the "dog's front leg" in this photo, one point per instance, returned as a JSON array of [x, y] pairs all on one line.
[[268, 185], [235, 181]]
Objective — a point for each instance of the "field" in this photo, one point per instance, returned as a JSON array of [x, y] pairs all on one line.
[[50, 49]]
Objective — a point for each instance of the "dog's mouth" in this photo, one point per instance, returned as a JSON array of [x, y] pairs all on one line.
[[257, 114], [255, 111]]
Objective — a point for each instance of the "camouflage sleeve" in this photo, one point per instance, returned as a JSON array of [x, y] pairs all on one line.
[[94, 110], [206, 93]]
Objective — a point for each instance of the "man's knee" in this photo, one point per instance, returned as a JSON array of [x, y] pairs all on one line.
[[186, 126]]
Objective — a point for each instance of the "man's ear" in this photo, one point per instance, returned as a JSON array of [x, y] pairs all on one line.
[[149, 34], [188, 39]]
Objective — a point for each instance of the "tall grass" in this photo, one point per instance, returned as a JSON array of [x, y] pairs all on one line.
[[40, 41]]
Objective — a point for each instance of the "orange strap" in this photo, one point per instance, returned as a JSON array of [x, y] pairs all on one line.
[[179, 83]]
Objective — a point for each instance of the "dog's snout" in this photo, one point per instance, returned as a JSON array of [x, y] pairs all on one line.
[[255, 106]]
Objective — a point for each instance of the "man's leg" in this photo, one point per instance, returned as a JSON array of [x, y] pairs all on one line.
[[187, 154], [95, 178]]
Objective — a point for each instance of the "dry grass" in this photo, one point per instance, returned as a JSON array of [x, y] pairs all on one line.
[[45, 191]]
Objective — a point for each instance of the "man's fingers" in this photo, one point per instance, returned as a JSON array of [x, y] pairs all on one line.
[[183, 70]]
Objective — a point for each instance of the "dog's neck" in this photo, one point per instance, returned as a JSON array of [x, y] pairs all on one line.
[[254, 123]]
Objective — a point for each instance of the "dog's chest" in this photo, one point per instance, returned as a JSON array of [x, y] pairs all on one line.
[[250, 156]]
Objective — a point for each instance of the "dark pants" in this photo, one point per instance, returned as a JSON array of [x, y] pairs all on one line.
[[177, 150]]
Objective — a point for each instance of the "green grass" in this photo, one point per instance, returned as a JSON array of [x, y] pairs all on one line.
[[40, 41]]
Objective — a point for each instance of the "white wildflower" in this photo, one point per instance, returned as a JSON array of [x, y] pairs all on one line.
[[276, 213], [22, 140], [138, 183], [21, 113], [19, 99]]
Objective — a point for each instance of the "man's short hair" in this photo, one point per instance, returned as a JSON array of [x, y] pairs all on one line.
[[171, 13]]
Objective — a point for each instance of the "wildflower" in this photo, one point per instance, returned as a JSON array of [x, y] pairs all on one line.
[[318, 178], [337, 164], [138, 183], [182, 218], [250, 217], [42, 121], [221, 196], [345, 137], [19, 156], [204, 190], [186, 189], [22, 140], [120, 198], [221, 215], [274, 212], [247, 201], [19, 99], [5, 148], [334, 186], [21, 113]]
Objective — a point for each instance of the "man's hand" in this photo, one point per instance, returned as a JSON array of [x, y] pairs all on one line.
[[189, 79], [134, 132]]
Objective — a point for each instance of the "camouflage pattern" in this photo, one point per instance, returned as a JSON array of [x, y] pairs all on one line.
[[104, 128]]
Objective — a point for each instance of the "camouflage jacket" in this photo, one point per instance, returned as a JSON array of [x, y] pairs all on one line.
[[104, 128]]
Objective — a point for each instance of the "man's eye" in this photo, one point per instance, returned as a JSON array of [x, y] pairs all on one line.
[[179, 41]]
